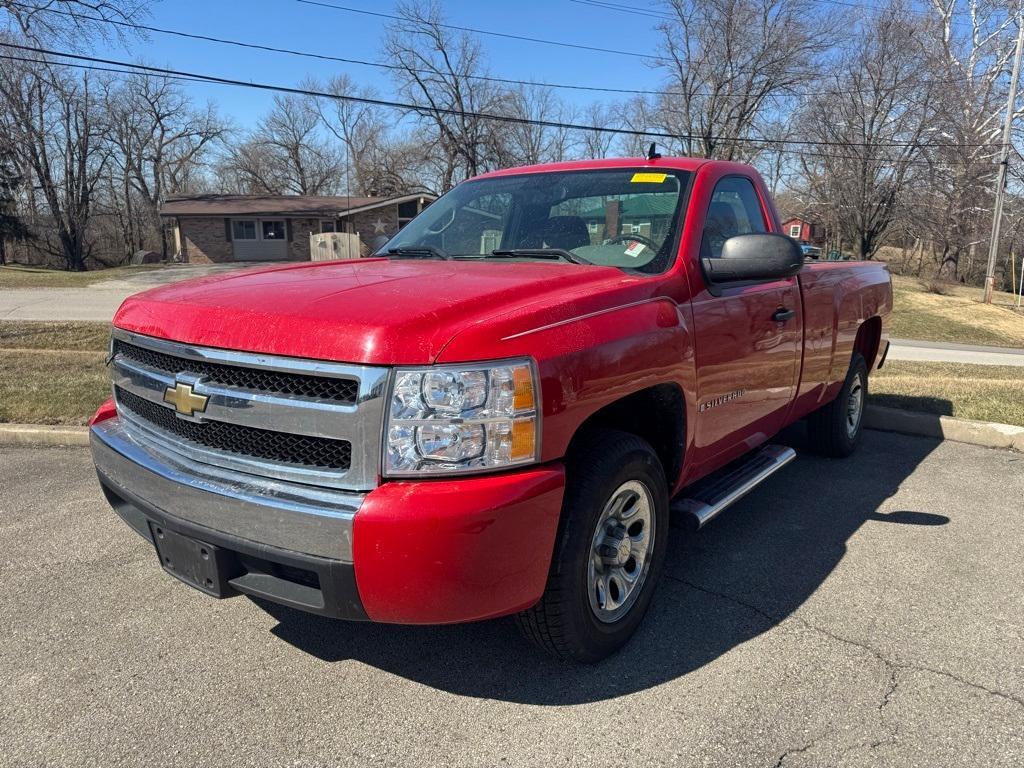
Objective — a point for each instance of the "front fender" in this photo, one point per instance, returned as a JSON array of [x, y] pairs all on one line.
[[591, 358]]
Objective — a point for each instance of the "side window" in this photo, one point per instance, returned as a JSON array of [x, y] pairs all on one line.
[[734, 210]]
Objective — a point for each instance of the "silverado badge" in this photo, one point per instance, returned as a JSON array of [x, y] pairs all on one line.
[[184, 400]]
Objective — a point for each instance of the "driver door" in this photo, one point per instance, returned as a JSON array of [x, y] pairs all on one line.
[[747, 336]]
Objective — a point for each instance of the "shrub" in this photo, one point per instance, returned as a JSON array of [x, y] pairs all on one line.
[[939, 285]]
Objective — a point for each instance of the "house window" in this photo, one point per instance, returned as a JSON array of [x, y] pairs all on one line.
[[638, 229], [243, 229], [407, 211], [273, 229], [794, 231], [328, 225]]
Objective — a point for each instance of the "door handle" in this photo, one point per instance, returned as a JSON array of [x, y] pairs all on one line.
[[783, 315]]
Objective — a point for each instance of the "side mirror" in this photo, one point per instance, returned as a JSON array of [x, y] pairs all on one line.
[[758, 256]]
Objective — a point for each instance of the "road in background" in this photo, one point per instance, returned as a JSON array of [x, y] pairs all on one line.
[[867, 612], [99, 301], [946, 352]]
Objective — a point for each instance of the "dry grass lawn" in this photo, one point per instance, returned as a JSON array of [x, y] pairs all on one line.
[[982, 392], [959, 317], [51, 386], [15, 276], [52, 373], [24, 334]]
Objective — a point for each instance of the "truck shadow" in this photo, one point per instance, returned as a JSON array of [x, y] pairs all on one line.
[[744, 573]]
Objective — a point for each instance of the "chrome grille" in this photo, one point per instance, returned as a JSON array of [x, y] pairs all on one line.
[[248, 441], [291, 419], [251, 379]]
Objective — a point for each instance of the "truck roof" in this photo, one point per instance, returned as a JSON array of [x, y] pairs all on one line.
[[674, 163]]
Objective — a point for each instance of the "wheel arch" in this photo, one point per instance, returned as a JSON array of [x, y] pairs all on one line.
[[656, 414], [869, 338]]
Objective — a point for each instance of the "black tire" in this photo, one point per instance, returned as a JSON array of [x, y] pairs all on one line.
[[829, 428], [564, 623]]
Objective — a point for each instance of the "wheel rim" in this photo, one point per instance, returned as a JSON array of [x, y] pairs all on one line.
[[854, 406], [620, 552]]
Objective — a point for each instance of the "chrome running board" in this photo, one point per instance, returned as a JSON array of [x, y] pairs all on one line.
[[707, 497]]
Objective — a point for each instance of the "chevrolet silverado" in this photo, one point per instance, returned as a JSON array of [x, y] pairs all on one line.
[[497, 413]]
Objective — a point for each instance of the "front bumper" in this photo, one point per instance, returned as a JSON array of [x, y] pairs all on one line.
[[430, 552]]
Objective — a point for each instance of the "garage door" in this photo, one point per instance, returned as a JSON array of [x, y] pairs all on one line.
[[259, 239]]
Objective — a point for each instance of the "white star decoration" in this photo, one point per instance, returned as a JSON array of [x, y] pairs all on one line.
[[379, 227]]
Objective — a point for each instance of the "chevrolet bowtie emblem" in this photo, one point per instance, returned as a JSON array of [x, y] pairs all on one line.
[[184, 400]]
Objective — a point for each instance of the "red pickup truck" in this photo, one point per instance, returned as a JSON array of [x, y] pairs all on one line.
[[496, 414]]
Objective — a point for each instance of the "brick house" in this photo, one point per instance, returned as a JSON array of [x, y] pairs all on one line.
[[223, 228]]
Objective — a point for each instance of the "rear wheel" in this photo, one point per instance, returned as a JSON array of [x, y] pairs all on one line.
[[834, 429], [609, 553]]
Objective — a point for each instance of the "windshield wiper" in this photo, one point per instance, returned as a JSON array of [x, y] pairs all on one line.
[[541, 253], [420, 251]]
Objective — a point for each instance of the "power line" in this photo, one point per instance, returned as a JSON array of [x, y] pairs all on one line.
[[204, 79], [320, 56], [396, 67], [609, 6], [114, 70], [490, 32], [781, 150], [409, 107]]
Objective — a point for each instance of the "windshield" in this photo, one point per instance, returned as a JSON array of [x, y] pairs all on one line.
[[623, 217]]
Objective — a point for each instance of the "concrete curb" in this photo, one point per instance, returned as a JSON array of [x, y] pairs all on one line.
[[944, 427], [875, 417], [42, 435]]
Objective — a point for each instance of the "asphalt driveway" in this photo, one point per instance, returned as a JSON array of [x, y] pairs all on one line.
[[867, 612]]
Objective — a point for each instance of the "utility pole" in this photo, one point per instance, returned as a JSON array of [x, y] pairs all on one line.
[[997, 212]]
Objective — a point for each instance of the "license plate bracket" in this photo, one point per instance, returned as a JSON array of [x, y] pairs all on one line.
[[194, 562]]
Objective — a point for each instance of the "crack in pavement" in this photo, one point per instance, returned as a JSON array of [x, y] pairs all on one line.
[[892, 689], [793, 751], [891, 665]]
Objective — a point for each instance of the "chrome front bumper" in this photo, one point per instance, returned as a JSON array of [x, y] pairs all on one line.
[[290, 516]]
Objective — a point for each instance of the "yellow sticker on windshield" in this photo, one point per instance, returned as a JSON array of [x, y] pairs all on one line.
[[649, 178]]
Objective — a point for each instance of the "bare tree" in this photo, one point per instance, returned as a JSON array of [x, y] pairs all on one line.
[[597, 144], [74, 21], [12, 226], [728, 63], [531, 143], [635, 115], [441, 71], [286, 154], [971, 48], [377, 162], [869, 126], [160, 141], [54, 122]]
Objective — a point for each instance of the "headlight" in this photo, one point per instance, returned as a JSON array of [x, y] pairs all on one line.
[[463, 418]]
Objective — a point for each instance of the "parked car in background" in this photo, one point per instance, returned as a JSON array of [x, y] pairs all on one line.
[[810, 251], [499, 413]]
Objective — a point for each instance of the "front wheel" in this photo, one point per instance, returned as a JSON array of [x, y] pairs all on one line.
[[835, 429], [609, 553]]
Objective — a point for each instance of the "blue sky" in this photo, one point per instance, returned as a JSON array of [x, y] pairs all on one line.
[[289, 24]]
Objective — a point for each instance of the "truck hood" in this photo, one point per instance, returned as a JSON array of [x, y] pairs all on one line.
[[371, 311]]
